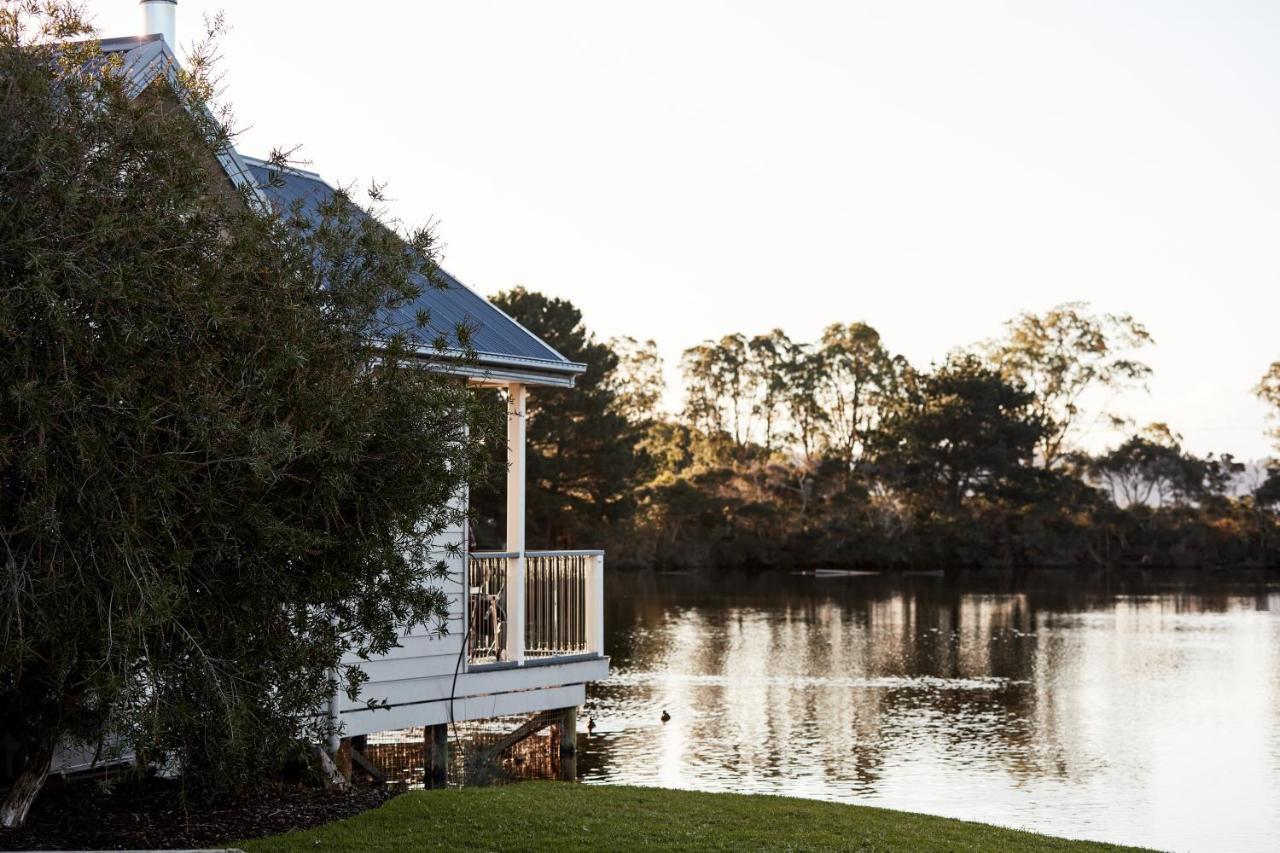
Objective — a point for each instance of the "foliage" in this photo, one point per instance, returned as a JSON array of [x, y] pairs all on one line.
[[1151, 468], [771, 390], [637, 383], [806, 374], [842, 454], [960, 431], [1061, 355], [1268, 493], [770, 357], [531, 816], [219, 469], [860, 382], [1269, 392], [720, 383]]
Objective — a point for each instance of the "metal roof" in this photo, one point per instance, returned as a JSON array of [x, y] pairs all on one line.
[[501, 344], [505, 350], [143, 59]]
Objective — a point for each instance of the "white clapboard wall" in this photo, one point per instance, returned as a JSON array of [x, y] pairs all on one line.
[[425, 680]]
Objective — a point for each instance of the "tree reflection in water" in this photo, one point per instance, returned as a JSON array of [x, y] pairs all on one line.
[[1122, 711]]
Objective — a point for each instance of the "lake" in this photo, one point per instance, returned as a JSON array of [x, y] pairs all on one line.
[[1123, 711]]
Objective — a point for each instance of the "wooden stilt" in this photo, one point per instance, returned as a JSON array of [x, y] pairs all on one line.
[[435, 747], [567, 726], [342, 758], [529, 727]]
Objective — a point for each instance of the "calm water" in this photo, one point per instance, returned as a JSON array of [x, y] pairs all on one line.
[[1140, 714]]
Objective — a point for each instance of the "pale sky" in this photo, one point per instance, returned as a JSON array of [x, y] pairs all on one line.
[[682, 170]]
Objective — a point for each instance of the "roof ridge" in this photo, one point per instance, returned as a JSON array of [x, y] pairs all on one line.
[[115, 43]]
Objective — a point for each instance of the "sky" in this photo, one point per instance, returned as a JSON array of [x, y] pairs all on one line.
[[684, 170]]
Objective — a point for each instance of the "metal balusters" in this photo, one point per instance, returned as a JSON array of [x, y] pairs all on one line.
[[555, 589], [561, 610]]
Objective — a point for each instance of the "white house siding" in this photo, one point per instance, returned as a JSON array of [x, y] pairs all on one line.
[[424, 652], [417, 679]]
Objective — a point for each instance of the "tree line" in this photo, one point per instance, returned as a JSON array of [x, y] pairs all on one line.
[[840, 452]]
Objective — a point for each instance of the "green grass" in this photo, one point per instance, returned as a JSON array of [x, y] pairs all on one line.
[[568, 817]]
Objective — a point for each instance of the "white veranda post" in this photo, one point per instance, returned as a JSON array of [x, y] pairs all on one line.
[[516, 394]]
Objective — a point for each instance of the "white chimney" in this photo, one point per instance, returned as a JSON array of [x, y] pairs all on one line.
[[160, 16]]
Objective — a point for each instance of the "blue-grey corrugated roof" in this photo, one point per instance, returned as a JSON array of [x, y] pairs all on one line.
[[497, 338], [503, 347], [144, 59]]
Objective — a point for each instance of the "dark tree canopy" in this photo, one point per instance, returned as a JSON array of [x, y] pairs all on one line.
[[960, 430], [1151, 468], [214, 480]]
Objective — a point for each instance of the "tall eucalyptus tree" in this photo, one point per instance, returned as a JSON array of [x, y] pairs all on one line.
[[768, 359], [1063, 355], [859, 381]]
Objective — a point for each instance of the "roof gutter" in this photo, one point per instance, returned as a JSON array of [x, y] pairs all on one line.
[[500, 368], [490, 373], [571, 368]]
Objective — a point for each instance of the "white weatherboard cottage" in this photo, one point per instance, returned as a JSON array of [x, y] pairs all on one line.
[[525, 629]]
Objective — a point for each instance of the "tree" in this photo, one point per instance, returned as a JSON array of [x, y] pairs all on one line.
[[736, 381], [718, 379], [767, 362], [702, 408], [1061, 355], [637, 383], [806, 374], [581, 450], [1268, 492], [1149, 469], [960, 430], [1268, 391], [220, 468], [859, 380]]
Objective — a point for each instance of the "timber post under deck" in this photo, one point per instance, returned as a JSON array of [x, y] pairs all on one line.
[[567, 724], [435, 747]]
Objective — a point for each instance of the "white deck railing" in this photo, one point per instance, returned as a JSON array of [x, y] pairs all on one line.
[[557, 609]]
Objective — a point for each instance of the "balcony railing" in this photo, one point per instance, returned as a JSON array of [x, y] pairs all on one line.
[[558, 605], [487, 606]]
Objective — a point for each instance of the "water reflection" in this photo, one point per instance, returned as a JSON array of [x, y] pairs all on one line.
[[1148, 716]]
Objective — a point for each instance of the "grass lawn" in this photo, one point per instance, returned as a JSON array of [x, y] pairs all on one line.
[[568, 817]]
